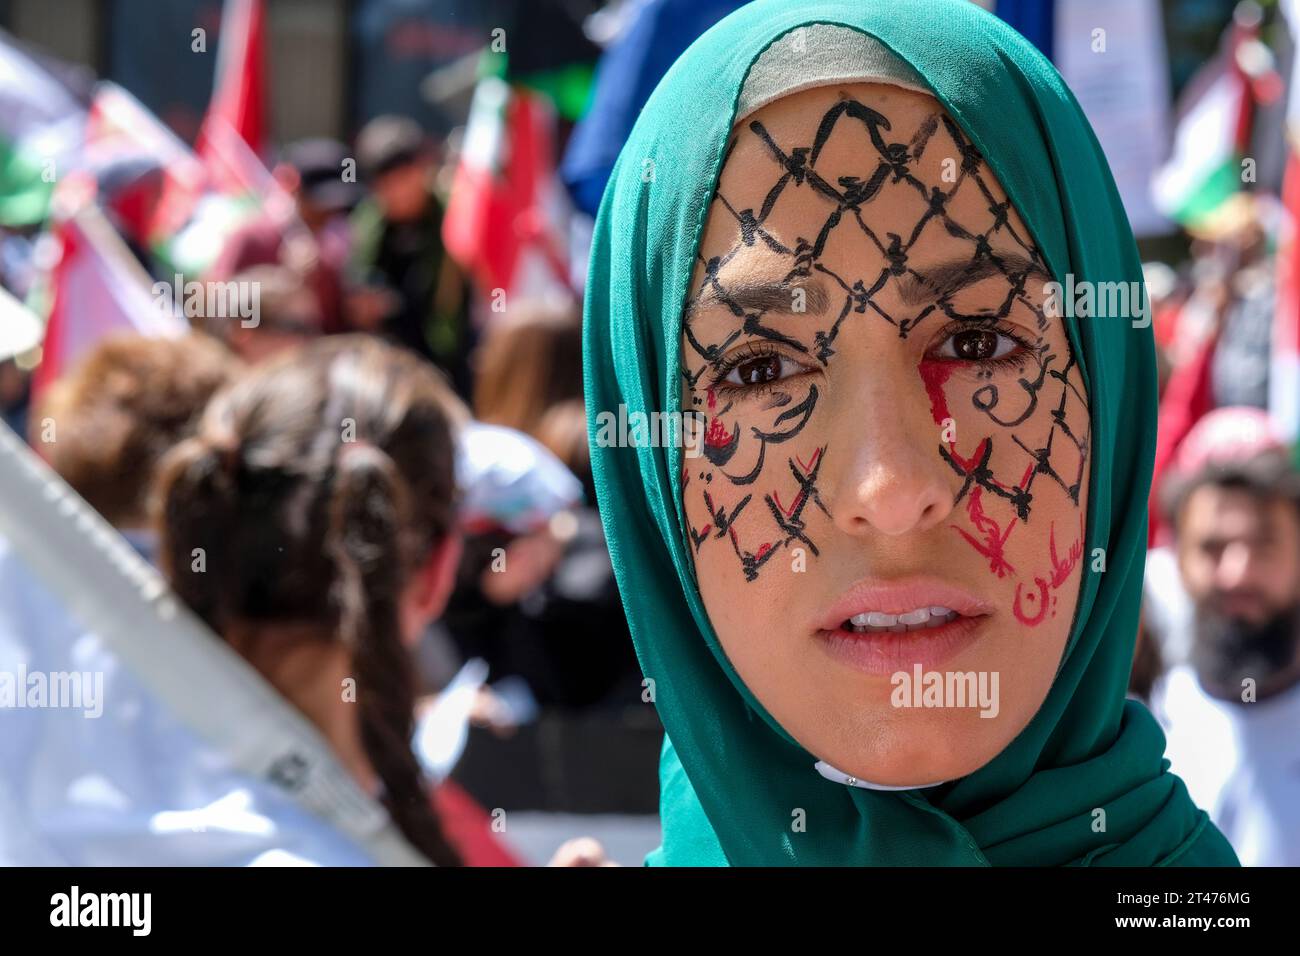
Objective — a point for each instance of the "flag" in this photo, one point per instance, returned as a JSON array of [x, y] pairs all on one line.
[[118, 127], [203, 200], [238, 91], [1212, 136], [507, 220], [20, 329], [1188, 397], [97, 290], [1284, 361], [42, 122]]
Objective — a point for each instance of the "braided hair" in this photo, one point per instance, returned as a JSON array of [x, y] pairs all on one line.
[[314, 487]]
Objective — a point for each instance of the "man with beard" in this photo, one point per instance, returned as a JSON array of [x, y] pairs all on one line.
[[1232, 710]]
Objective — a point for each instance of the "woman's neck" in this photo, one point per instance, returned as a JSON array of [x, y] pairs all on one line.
[[317, 676]]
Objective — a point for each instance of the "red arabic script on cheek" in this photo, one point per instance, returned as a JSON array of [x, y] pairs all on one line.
[[1037, 598]]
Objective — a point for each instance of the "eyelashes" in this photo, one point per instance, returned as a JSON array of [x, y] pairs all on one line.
[[753, 352], [782, 369], [1021, 347]]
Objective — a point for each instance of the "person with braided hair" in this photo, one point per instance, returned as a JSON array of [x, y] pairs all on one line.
[[310, 522]]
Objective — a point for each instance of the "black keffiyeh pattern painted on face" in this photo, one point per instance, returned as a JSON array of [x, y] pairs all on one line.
[[866, 221]]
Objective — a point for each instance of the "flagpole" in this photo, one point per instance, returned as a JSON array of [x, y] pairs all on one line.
[[101, 580]]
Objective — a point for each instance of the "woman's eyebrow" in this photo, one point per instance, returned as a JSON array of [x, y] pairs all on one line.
[[925, 283], [763, 296]]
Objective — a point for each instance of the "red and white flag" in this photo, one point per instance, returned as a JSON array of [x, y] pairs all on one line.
[[507, 219], [238, 90], [97, 290]]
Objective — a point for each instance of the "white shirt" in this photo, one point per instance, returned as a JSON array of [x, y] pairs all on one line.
[[1241, 763]]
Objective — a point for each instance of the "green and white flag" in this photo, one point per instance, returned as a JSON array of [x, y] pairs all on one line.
[[1204, 170], [42, 123]]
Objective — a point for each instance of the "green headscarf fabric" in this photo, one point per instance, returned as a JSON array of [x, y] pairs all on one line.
[[732, 779]]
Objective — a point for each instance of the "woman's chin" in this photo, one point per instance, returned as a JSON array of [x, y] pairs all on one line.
[[934, 750]]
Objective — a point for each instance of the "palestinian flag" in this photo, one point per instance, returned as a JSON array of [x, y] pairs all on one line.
[[1211, 139], [42, 121], [120, 127]]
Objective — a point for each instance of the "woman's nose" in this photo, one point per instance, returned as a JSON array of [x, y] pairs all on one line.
[[894, 480]]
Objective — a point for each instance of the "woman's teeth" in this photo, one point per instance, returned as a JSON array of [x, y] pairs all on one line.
[[922, 618]]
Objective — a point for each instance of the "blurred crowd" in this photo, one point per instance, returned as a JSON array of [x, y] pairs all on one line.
[[1218, 654], [458, 521]]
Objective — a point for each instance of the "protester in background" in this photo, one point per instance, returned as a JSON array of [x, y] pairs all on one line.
[[287, 314], [1247, 288], [105, 427], [543, 605], [321, 491], [405, 285], [315, 173], [563, 430], [527, 363], [1232, 709]]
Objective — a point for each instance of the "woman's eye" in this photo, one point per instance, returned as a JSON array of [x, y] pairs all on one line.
[[761, 370], [977, 345]]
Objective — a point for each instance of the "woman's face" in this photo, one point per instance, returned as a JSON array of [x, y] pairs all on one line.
[[887, 519]]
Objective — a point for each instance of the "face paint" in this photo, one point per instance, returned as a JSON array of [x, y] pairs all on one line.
[[861, 267], [710, 363]]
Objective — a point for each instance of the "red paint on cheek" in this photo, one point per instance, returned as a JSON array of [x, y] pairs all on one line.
[[993, 546], [713, 399], [776, 497], [1035, 600], [808, 467], [935, 375], [717, 435], [1061, 569]]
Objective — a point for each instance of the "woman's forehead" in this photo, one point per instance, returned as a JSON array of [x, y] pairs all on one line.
[[868, 173], [801, 106]]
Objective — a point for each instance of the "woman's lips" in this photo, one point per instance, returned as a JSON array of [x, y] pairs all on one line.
[[882, 649]]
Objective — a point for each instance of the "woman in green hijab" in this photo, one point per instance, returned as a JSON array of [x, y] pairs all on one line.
[[885, 594]]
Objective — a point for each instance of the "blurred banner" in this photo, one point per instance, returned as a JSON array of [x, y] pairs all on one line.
[[1112, 55]]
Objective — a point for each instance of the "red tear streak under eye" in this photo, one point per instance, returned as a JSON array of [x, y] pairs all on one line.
[[935, 376]]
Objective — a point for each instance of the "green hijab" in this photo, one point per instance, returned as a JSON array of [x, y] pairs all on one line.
[[731, 778]]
